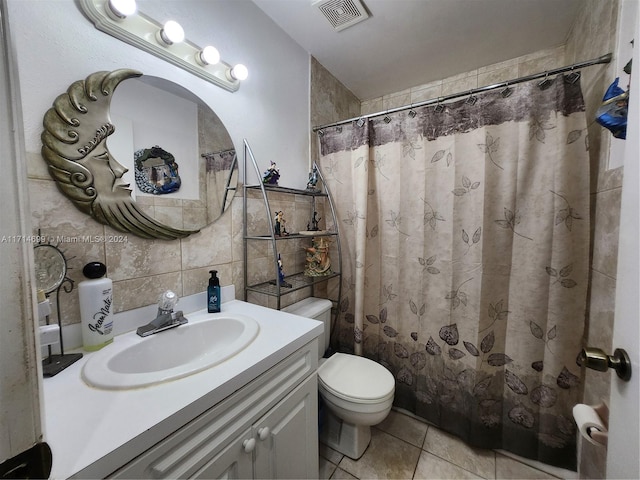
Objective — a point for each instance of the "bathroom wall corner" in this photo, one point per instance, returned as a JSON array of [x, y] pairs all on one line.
[[330, 101]]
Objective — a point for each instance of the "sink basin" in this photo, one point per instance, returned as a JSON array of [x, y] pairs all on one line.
[[132, 361]]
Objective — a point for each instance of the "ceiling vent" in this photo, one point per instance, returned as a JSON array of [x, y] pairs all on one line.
[[342, 13]]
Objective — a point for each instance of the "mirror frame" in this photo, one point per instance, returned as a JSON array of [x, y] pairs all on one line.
[[74, 139]]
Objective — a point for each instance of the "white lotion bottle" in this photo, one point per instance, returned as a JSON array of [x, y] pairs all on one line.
[[96, 307]]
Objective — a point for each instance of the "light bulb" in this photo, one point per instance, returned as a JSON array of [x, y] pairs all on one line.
[[208, 56], [171, 33], [239, 72], [121, 9]]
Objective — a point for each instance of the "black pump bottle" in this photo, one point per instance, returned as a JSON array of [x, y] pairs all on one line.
[[213, 293]]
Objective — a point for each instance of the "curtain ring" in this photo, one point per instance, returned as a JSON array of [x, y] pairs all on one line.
[[506, 92], [572, 77], [544, 84], [412, 113], [471, 99], [439, 107], [387, 118]]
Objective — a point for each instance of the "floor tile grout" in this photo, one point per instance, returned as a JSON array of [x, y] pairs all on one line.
[[493, 457], [422, 449]]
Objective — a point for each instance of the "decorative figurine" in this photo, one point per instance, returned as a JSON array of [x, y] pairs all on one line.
[[313, 226], [313, 180], [279, 229], [272, 175], [283, 282], [318, 261]]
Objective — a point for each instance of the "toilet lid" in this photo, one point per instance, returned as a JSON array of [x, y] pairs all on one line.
[[358, 378]]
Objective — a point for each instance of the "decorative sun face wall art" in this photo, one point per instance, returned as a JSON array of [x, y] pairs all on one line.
[[74, 142]]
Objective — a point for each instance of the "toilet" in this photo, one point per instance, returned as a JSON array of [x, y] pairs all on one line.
[[357, 392]]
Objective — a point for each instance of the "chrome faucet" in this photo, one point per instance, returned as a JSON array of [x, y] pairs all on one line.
[[166, 317]]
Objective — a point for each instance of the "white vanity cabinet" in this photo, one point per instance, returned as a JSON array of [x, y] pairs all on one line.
[[266, 429]]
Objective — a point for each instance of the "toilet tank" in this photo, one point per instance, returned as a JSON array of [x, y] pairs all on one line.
[[317, 309]]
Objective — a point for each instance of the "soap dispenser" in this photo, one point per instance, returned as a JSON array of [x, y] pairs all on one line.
[[96, 307], [213, 293]]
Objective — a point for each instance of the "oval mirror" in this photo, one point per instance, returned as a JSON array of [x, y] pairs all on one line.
[[150, 159]]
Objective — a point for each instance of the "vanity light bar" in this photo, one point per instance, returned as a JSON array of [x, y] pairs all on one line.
[[141, 31]]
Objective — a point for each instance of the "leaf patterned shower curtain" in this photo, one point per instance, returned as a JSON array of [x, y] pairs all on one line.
[[465, 234]]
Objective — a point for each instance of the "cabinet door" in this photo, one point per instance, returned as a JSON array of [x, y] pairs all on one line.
[[287, 436], [234, 462]]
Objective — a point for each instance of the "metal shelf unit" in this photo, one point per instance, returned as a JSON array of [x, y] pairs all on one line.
[[298, 281]]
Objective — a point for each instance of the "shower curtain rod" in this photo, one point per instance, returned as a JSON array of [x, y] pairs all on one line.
[[603, 59]]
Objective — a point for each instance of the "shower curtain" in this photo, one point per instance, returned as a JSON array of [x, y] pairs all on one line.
[[465, 233]]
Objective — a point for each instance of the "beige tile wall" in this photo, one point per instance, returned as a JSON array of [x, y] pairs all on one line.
[[140, 269], [594, 35], [498, 72], [330, 101]]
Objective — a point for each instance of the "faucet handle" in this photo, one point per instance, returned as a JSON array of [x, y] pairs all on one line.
[[167, 301]]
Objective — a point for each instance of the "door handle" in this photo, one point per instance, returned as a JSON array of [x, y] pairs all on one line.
[[597, 359]]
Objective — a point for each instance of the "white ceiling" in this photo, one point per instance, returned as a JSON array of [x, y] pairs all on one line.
[[405, 43]]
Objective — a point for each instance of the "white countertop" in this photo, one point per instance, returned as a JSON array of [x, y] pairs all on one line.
[[93, 432]]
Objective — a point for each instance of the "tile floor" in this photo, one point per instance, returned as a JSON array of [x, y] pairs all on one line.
[[405, 448]]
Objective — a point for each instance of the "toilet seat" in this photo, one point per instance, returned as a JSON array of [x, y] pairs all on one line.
[[356, 379]]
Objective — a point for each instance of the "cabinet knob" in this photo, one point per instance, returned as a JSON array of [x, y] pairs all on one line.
[[249, 444], [263, 433]]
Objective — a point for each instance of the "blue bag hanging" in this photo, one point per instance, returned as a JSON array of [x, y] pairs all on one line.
[[612, 114]]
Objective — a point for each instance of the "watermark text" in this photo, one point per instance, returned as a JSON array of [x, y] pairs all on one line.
[[58, 239]]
